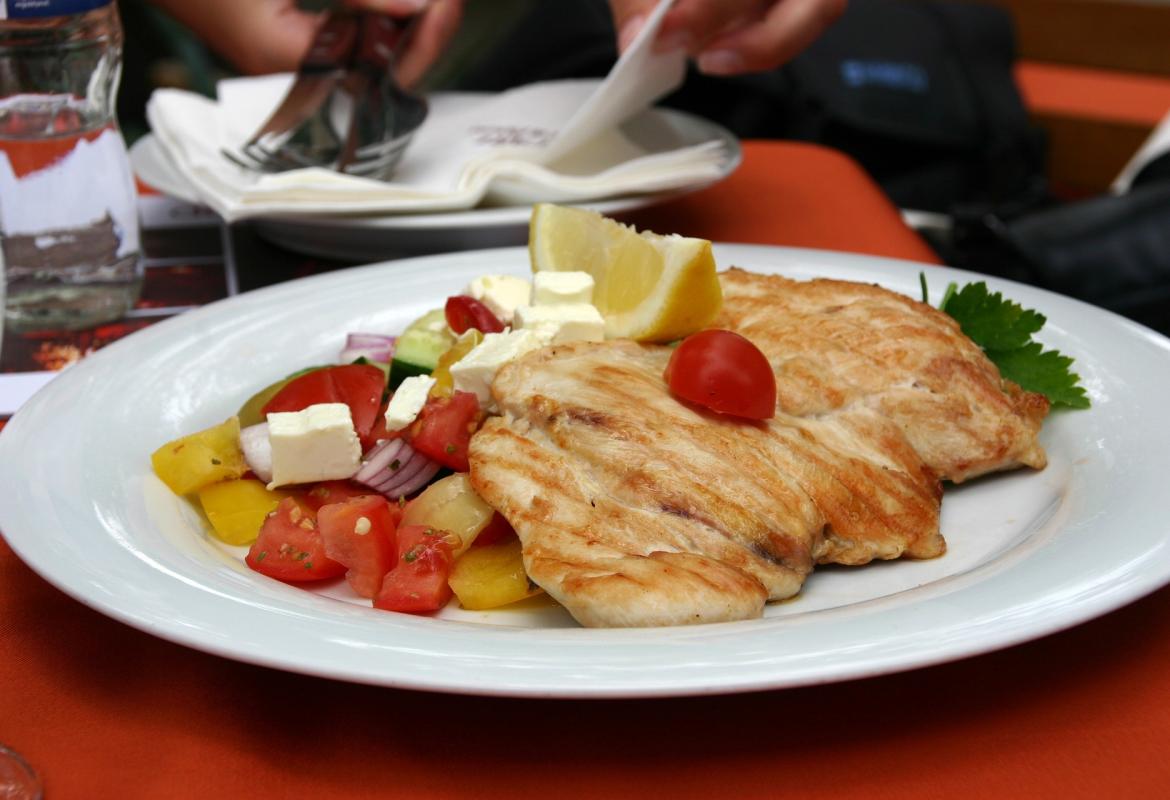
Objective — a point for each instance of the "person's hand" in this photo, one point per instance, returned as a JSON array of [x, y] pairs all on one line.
[[731, 37], [260, 36]]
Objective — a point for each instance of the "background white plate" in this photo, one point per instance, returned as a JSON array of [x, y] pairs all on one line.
[[1030, 552], [369, 238]]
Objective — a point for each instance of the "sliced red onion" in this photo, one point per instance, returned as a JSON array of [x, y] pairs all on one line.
[[377, 463], [257, 450], [417, 481], [415, 463], [395, 469], [406, 472], [373, 346]]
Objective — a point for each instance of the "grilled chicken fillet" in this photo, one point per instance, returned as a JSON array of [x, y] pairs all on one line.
[[636, 509]]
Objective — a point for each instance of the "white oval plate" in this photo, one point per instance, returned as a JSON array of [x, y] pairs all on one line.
[[369, 238], [1030, 552]]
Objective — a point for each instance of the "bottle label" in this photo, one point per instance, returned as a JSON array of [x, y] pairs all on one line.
[[33, 9]]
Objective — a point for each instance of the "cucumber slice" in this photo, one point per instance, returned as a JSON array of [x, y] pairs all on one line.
[[419, 347]]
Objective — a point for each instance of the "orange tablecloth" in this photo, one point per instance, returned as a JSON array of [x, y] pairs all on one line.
[[793, 194], [104, 711]]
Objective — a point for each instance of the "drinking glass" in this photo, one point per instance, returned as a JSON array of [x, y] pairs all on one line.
[[18, 781]]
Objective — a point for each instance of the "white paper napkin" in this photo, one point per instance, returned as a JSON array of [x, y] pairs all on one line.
[[556, 141]]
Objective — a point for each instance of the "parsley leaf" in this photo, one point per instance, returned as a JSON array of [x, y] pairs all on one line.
[[1003, 329], [991, 321], [1043, 371]]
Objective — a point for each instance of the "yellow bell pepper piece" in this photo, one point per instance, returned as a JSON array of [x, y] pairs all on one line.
[[444, 385], [191, 462], [236, 509], [491, 576]]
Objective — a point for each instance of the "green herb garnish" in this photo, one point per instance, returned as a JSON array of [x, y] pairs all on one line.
[[1003, 329]]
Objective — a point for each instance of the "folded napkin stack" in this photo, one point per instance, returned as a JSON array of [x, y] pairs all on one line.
[[560, 141]]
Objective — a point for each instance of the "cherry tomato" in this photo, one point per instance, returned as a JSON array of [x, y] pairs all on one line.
[[290, 548], [465, 312], [724, 372], [444, 427], [360, 533], [359, 386], [418, 582]]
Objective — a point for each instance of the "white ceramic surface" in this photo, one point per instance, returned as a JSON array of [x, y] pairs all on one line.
[[370, 238], [1030, 552]]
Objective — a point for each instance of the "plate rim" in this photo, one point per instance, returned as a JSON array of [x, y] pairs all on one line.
[[26, 546]]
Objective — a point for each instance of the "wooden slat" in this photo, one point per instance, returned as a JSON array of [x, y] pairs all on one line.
[[1109, 95], [1113, 34]]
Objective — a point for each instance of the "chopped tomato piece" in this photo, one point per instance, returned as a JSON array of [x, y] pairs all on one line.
[[497, 530], [360, 533], [359, 386], [328, 492], [724, 372], [418, 582], [290, 548], [378, 432], [444, 427], [464, 313]]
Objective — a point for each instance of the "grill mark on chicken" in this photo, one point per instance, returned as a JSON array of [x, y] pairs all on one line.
[[678, 511], [582, 415]]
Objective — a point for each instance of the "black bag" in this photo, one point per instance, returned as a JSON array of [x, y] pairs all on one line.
[[1112, 251], [923, 95]]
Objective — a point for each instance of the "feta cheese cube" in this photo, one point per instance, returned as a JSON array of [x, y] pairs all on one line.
[[407, 400], [556, 288], [476, 370], [318, 443], [501, 294], [557, 324]]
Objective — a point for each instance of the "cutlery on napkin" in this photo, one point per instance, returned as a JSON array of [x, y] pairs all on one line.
[[556, 141]]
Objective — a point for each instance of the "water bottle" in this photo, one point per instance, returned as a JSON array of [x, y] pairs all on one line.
[[68, 207]]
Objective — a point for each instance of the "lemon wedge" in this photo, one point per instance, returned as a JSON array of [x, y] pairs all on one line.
[[648, 287]]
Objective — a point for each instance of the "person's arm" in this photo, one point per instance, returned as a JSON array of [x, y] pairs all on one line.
[[730, 37], [259, 36]]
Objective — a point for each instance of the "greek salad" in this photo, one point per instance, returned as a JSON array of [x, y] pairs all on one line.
[[360, 468]]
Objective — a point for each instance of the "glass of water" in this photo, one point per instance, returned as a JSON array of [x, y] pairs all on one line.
[[18, 781], [68, 205]]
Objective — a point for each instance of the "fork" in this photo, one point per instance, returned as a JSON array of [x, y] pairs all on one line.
[[344, 83], [301, 115], [384, 116]]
